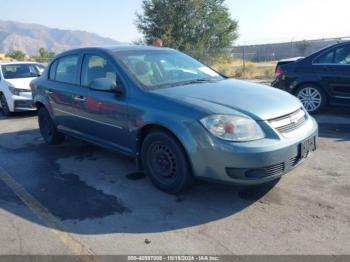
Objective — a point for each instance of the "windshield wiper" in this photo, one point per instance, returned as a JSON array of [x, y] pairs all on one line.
[[197, 81], [202, 80], [189, 82]]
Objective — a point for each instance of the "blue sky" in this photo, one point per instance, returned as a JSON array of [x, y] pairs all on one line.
[[260, 21]]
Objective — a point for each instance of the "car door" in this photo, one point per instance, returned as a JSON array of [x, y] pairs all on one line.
[[64, 90], [103, 115], [339, 80], [334, 69]]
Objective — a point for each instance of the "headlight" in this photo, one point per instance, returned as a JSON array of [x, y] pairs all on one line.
[[16, 91], [233, 128]]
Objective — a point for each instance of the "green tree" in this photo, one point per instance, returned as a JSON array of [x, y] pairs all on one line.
[[45, 54], [302, 46], [202, 28], [17, 55]]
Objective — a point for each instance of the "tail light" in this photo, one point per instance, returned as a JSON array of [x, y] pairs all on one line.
[[279, 72]]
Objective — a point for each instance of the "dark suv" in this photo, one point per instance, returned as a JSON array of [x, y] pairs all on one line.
[[318, 80]]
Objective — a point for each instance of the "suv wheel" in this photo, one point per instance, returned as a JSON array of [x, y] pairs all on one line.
[[313, 97], [4, 106], [165, 162], [48, 129]]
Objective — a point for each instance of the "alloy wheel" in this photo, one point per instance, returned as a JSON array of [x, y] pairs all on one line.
[[311, 98]]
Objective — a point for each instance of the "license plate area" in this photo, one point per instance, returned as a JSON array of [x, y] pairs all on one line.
[[307, 146]]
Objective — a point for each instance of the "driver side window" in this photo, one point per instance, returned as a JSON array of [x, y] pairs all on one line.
[[95, 67]]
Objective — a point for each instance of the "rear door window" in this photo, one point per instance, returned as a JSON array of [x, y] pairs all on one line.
[[342, 55], [52, 71], [67, 69], [327, 58]]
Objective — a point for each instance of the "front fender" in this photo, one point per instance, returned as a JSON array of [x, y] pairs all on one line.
[[189, 132], [180, 128]]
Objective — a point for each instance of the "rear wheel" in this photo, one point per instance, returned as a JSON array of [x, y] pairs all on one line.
[[166, 163], [4, 106], [48, 129], [312, 97]]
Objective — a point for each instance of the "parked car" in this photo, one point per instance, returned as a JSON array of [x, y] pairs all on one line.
[[15, 92], [176, 116], [320, 79]]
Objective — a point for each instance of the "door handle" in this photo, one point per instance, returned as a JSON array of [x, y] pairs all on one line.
[[80, 98], [48, 92]]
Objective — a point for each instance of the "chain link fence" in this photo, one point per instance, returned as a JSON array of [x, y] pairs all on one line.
[[259, 61], [278, 51]]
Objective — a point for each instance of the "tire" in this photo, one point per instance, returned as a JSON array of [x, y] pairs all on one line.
[[4, 106], [48, 129], [312, 97], [166, 163]]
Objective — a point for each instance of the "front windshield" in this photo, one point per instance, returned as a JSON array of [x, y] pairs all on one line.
[[160, 69], [12, 71]]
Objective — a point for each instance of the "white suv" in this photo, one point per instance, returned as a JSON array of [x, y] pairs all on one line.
[[15, 92]]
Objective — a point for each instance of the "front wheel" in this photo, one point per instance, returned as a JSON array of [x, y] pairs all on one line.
[[312, 97], [48, 129], [166, 163], [4, 106]]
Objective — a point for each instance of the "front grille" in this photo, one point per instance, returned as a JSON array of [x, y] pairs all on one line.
[[274, 169], [281, 167], [291, 127], [24, 104], [290, 122], [293, 161], [258, 173]]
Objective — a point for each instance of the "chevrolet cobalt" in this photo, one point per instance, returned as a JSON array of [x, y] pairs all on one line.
[[177, 117]]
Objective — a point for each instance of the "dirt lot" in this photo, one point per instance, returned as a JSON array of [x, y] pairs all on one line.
[[78, 198]]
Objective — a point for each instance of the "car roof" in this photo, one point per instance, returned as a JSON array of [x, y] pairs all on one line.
[[334, 45], [116, 48], [18, 62], [344, 42]]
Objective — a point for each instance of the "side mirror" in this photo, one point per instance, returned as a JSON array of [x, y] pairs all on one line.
[[106, 84]]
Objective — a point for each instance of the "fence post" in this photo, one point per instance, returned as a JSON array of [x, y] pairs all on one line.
[[243, 58]]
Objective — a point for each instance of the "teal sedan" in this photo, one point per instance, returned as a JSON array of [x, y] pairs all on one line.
[[177, 117]]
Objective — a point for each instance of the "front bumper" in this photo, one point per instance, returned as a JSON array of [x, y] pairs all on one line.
[[242, 163], [24, 105], [22, 102]]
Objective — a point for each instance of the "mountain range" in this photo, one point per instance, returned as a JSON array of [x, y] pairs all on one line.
[[30, 37]]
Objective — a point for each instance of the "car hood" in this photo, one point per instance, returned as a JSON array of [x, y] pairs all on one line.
[[22, 83], [260, 102]]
